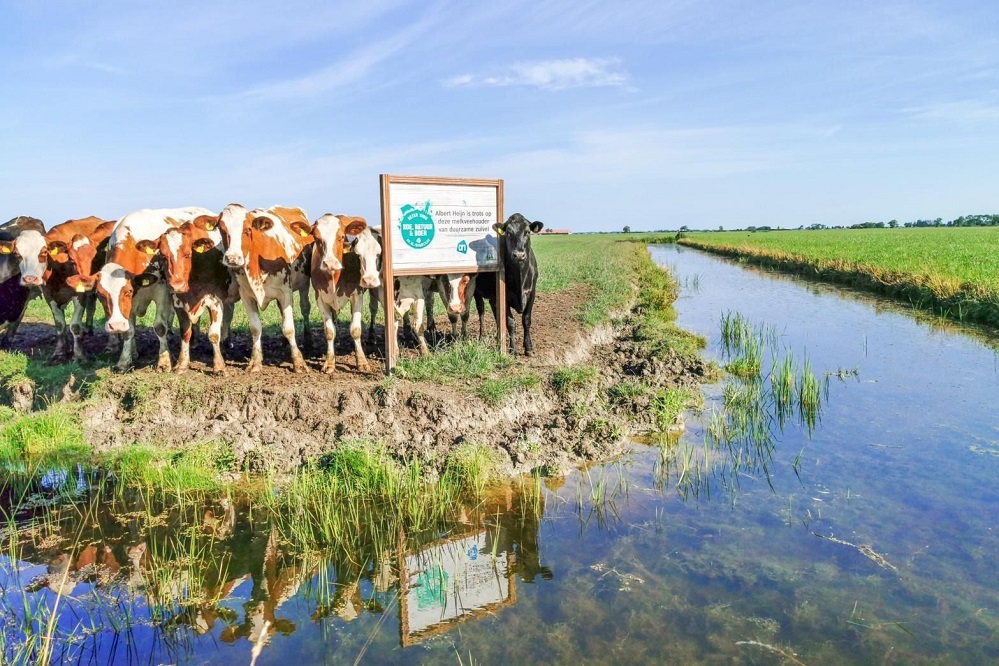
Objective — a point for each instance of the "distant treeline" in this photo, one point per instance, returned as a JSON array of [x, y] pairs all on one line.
[[963, 221]]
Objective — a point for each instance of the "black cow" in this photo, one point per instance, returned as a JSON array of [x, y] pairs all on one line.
[[521, 278], [14, 296]]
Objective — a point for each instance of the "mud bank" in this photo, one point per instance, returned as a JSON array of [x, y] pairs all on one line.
[[278, 421]]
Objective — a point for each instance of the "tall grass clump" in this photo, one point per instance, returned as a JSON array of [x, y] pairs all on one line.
[[467, 359]]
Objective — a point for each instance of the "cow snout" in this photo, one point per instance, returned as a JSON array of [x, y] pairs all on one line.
[[117, 326], [233, 260], [31, 280], [370, 281], [455, 308], [330, 265], [519, 256], [179, 287]]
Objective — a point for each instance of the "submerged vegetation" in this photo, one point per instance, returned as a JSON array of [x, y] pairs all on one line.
[[952, 272], [769, 388]]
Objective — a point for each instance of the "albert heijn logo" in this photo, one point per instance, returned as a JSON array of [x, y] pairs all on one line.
[[462, 247]]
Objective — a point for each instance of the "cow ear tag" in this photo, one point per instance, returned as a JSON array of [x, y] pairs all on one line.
[[150, 251], [54, 252], [499, 232], [6, 249], [209, 226], [200, 249], [302, 232], [80, 288]]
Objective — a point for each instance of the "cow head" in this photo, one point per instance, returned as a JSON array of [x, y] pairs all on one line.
[[31, 254], [327, 255], [368, 248], [116, 287], [179, 245], [456, 291], [515, 234], [234, 223], [272, 238]]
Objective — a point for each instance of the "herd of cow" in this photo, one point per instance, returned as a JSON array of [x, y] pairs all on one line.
[[192, 260]]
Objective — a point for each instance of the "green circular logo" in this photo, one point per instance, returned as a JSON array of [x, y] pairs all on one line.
[[416, 226]]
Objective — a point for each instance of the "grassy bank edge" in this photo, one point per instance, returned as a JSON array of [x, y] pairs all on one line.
[[965, 302]]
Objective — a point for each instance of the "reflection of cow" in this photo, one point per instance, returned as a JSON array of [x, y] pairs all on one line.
[[280, 582]]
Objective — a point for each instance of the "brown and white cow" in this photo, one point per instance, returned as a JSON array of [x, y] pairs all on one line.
[[135, 276], [269, 251], [455, 290], [74, 249], [342, 271], [199, 282], [14, 295]]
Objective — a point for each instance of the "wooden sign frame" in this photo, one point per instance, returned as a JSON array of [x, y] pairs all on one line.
[[389, 273]]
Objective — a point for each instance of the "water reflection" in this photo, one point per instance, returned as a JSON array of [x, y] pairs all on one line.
[[123, 576]]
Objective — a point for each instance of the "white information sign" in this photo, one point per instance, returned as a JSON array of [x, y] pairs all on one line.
[[443, 226]]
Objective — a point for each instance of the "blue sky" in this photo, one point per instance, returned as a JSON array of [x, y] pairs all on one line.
[[596, 114]]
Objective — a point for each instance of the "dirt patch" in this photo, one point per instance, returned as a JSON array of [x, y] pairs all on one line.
[[277, 419]]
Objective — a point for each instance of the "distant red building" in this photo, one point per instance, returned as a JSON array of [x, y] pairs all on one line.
[[563, 232]]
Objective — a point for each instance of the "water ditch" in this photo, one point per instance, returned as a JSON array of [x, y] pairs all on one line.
[[834, 501]]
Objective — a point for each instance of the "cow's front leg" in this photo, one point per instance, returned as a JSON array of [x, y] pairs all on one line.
[[160, 325], [253, 318], [89, 301], [306, 308], [511, 331], [76, 327], [355, 332], [186, 330], [288, 329], [329, 326], [59, 316], [526, 320], [374, 295], [126, 359], [216, 311], [227, 311], [420, 325]]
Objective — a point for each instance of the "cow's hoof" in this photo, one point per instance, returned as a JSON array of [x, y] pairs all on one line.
[[122, 369], [180, 369], [364, 367], [529, 353], [219, 371], [329, 368], [300, 368], [253, 367]]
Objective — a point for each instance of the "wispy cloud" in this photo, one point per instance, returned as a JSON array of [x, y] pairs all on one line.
[[966, 111], [551, 74], [350, 69]]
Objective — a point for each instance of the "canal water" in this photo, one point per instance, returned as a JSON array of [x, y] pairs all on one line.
[[866, 533]]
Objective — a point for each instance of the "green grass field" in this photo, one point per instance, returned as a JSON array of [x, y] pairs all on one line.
[[953, 271]]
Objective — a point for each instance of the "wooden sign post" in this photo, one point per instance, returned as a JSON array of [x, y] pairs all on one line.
[[432, 226]]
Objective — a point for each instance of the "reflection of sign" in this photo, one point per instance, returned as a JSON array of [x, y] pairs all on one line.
[[416, 226], [454, 580], [450, 226]]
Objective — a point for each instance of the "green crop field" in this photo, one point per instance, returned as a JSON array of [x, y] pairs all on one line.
[[954, 271]]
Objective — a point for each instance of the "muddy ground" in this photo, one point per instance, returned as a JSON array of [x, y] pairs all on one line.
[[279, 420]]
